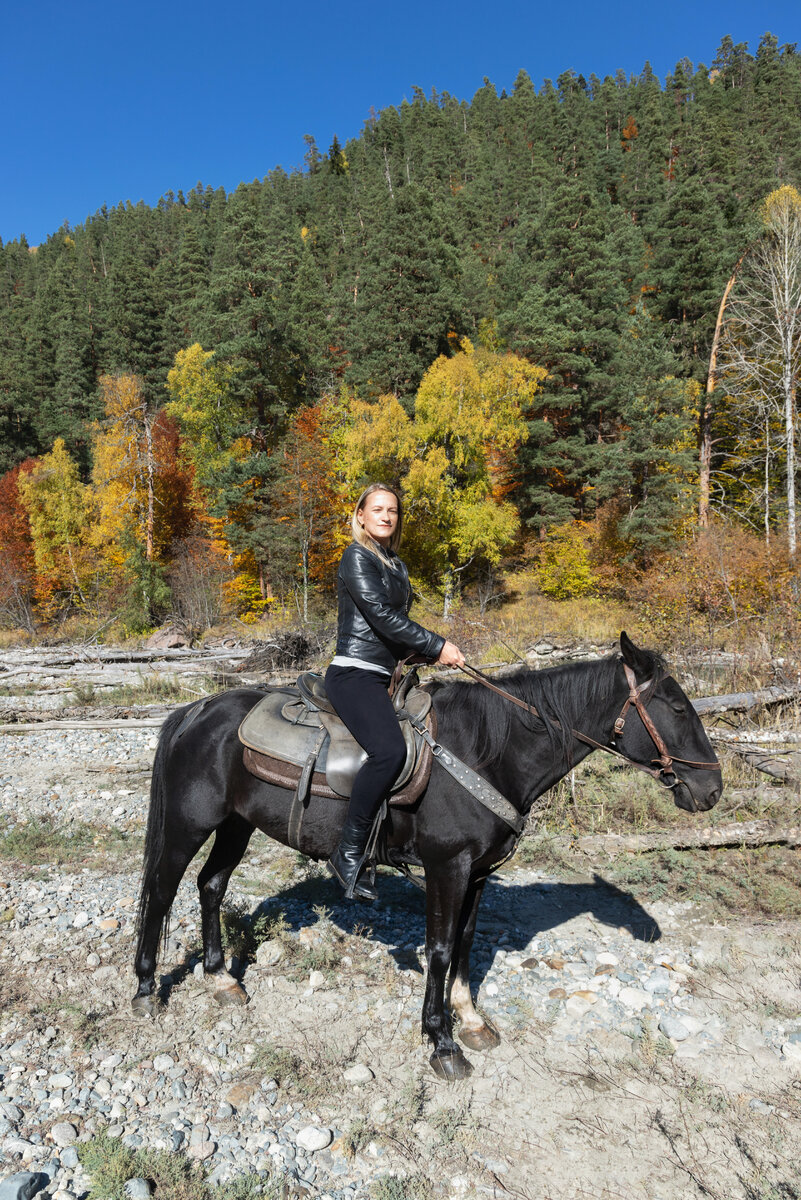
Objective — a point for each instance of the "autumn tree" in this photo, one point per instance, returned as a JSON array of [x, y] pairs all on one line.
[[211, 419], [60, 510], [308, 501], [231, 468], [760, 354], [143, 496], [454, 458], [17, 563]]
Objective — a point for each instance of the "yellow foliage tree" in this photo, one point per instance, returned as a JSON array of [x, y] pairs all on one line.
[[209, 419], [59, 509], [454, 458], [142, 493]]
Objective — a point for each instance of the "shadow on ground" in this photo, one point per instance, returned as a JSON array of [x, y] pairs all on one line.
[[518, 911]]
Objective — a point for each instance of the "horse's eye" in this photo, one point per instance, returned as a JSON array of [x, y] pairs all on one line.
[[679, 710]]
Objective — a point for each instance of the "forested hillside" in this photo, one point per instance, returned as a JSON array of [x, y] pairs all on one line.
[[173, 378]]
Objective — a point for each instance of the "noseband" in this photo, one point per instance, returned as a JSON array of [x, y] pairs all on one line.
[[664, 772]]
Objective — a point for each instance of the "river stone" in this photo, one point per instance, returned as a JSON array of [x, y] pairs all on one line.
[[634, 998], [64, 1134], [313, 1137], [21, 1186], [792, 1051], [577, 1005], [358, 1073], [316, 980], [689, 1049], [202, 1150], [163, 1062], [241, 1093], [658, 981], [607, 959], [673, 1028], [137, 1189], [269, 953], [69, 1158], [56, 1082]]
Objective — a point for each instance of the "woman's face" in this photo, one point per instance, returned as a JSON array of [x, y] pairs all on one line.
[[379, 517]]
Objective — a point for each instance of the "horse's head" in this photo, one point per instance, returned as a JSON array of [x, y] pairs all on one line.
[[688, 762]]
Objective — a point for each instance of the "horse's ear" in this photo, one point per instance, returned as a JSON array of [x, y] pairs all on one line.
[[633, 656]]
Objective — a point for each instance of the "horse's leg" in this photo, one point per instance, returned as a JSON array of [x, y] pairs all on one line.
[[474, 1030], [230, 843], [445, 895], [156, 904]]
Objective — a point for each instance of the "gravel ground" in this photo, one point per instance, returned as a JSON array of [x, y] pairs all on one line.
[[648, 1051]]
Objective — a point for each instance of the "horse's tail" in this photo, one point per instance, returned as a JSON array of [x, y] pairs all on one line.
[[156, 822]]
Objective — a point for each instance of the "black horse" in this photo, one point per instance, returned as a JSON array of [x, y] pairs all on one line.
[[200, 787]]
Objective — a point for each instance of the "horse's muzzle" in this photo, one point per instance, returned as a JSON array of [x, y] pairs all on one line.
[[694, 799]]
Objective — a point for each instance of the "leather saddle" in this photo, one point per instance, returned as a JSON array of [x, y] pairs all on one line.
[[294, 738]]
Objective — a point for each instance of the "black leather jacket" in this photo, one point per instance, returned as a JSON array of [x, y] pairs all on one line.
[[373, 604]]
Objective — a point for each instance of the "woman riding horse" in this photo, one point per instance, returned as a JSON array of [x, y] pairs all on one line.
[[374, 632]]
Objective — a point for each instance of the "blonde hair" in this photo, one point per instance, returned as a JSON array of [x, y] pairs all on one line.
[[361, 536]]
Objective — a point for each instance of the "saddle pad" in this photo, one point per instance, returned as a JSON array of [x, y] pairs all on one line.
[[281, 726], [286, 775]]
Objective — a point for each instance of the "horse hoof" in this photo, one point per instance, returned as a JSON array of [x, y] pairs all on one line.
[[450, 1066], [231, 994], [485, 1038], [145, 1006]]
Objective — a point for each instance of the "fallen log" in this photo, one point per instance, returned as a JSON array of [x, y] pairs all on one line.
[[745, 833], [788, 769], [745, 701], [751, 738], [119, 723]]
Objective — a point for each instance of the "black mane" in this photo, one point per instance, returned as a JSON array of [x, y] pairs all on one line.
[[562, 694]]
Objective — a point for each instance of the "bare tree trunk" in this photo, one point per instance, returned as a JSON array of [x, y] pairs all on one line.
[[789, 433], [150, 467], [705, 415]]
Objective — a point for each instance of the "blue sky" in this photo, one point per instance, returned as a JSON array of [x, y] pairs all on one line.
[[111, 102]]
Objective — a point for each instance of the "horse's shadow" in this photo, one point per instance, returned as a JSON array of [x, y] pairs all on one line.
[[513, 914]]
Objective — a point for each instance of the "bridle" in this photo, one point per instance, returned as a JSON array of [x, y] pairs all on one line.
[[664, 772]]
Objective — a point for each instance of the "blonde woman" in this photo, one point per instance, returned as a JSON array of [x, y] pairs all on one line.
[[374, 632]]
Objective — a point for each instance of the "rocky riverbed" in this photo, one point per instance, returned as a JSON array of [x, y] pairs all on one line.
[[646, 1051]]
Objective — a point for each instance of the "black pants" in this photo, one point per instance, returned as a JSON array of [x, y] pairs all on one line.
[[360, 698]]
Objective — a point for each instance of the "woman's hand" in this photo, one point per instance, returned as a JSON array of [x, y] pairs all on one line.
[[451, 656]]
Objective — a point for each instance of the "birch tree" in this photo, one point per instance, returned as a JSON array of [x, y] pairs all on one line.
[[761, 340]]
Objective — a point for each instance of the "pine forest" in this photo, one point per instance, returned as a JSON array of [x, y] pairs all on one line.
[[565, 320]]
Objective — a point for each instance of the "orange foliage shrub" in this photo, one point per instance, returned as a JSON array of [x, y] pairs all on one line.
[[726, 576]]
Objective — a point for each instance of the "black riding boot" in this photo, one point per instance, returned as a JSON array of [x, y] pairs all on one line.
[[347, 861]]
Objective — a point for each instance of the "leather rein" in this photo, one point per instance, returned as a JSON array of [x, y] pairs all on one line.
[[665, 758]]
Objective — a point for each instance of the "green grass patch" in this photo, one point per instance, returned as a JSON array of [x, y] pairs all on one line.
[[83, 1025], [40, 841], [149, 689], [314, 1076], [110, 1164], [417, 1186], [762, 879]]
